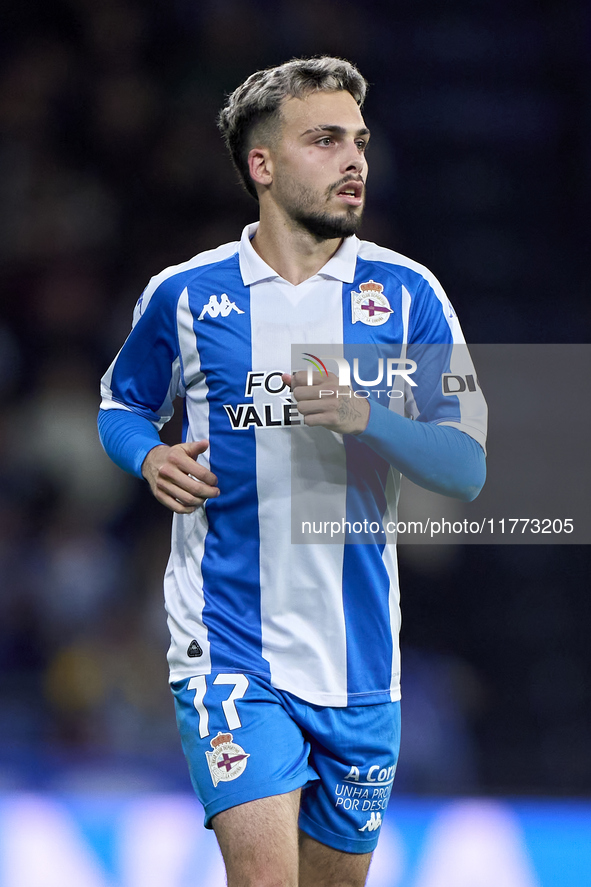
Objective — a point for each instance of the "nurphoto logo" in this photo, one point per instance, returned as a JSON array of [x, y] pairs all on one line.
[[395, 366]]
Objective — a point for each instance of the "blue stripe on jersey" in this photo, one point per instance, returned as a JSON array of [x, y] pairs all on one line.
[[230, 565], [367, 615], [366, 584], [142, 371]]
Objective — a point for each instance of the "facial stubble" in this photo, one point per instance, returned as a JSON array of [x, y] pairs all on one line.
[[322, 224]]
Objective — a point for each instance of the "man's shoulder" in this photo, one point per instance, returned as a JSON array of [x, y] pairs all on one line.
[[171, 281], [406, 269], [198, 264]]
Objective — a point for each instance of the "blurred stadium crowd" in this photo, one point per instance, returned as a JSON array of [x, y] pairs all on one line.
[[111, 168]]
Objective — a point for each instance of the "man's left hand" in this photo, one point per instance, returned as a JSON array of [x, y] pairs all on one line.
[[327, 403]]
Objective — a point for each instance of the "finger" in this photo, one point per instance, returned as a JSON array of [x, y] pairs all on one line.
[[173, 478], [198, 496], [187, 498], [194, 448], [198, 473], [174, 504], [312, 407], [179, 461], [314, 393], [301, 378], [194, 484]]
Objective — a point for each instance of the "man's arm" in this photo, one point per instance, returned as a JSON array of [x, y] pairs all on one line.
[[437, 457], [174, 476], [138, 391]]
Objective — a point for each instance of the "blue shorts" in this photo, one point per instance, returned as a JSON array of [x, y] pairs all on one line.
[[244, 739]]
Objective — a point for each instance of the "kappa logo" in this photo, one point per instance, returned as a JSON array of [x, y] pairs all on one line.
[[224, 307], [370, 305], [227, 761], [373, 823]]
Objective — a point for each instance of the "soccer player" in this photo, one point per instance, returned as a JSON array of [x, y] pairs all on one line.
[[284, 658]]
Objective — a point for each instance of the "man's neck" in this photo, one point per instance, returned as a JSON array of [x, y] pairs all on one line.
[[295, 254]]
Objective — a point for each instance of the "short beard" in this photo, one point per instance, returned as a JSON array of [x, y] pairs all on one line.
[[323, 226]]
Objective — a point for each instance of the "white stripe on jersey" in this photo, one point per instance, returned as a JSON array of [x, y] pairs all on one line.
[[472, 421], [391, 564], [406, 300], [297, 580], [189, 533]]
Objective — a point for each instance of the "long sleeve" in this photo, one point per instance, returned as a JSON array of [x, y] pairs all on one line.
[[434, 456], [127, 438]]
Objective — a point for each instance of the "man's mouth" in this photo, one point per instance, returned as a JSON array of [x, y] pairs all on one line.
[[351, 193]]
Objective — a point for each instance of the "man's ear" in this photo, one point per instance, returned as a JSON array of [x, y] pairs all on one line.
[[260, 166]]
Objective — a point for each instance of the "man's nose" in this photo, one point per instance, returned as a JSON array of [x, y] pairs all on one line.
[[354, 161]]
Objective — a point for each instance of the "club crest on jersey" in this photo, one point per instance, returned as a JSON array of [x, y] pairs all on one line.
[[227, 761], [224, 307], [370, 305]]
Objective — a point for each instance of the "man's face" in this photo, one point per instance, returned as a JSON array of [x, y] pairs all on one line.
[[319, 164]]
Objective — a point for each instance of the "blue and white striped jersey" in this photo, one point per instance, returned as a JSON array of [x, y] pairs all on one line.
[[319, 621]]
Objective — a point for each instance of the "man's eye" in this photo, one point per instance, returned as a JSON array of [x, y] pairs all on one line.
[[362, 145], [325, 141]]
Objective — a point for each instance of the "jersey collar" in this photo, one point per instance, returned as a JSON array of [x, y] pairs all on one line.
[[254, 269]]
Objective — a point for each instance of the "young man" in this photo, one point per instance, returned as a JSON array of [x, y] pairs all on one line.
[[284, 658]]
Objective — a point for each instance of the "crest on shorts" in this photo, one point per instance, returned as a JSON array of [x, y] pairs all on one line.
[[227, 761], [370, 305]]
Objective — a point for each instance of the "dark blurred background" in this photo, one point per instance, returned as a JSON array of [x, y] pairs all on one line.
[[111, 168]]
